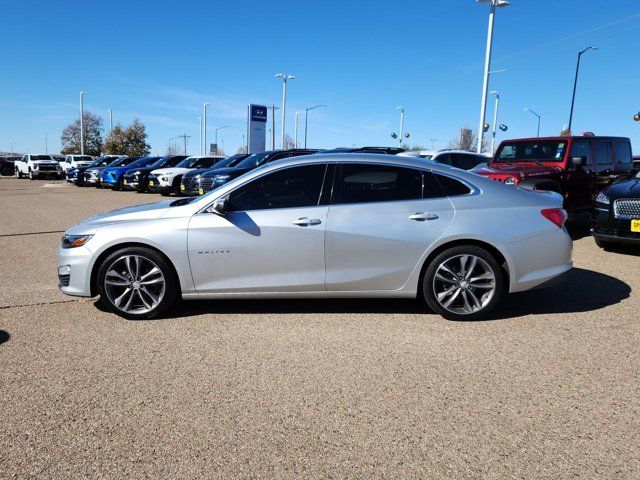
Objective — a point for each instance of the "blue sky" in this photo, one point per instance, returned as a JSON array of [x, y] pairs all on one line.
[[160, 60]]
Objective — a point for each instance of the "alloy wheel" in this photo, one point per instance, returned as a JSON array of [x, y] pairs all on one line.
[[134, 284], [464, 284]]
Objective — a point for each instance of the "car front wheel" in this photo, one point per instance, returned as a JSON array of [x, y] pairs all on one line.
[[137, 283], [31, 176], [463, 283], [18, 173]]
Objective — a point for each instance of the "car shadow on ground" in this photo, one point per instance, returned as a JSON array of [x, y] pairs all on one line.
[[4, 337], [580, 291]]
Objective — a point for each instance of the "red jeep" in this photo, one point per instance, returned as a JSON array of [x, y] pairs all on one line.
[[577, 167]]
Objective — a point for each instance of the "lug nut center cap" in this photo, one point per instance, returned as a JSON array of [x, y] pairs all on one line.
[[464, 284], [136, 285]]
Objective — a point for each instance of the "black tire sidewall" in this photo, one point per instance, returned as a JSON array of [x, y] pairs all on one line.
[[172, 285], [428, 294]]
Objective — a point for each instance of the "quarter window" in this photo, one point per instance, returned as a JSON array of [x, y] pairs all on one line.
[[359, 183], [290, 188], [621, 152], [452, 187]]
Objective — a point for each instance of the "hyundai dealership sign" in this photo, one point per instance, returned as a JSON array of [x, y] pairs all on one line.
[[256, 128]]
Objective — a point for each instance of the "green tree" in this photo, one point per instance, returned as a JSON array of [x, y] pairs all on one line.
[[92, 129], [131, 141]]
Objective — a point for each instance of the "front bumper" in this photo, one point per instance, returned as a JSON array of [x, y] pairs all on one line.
[[130, 183], [610, 229], [76, 280]]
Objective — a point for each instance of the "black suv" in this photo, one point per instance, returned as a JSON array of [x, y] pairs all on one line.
[[138, 178], [217, 177], [190, 183]]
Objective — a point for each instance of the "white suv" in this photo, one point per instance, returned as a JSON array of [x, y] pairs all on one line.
[[75, 161], [456, 158], [36, 166]]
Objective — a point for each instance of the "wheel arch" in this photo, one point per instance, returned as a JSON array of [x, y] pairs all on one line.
[[93, 282], [495, 252]]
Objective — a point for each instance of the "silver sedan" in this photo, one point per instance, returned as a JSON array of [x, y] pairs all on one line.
[[325, 226]]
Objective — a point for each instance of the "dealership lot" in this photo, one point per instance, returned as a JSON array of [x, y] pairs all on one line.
[[351, 388]]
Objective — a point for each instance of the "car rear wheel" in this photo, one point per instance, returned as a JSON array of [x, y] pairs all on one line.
[[137, 283], [463, 283]]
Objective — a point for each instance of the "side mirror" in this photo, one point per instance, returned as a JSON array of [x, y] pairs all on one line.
[[219, 207], [578, 161]]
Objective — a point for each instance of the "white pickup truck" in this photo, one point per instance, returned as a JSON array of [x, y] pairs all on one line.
[[75, 161], [36, 166]]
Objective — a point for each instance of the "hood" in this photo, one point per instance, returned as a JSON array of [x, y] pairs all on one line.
[[624, 188], [142, 170], [231, 171], [149, 211], [523, 170], [164, 171], [196, 171]]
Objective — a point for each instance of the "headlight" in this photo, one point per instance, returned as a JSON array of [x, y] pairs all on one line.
[[221, 178], [164, 179], [35, 166], [58, 167], [603, 199], [73, 241], [510, 181]]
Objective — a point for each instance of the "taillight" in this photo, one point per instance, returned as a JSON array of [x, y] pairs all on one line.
[[555, 215]]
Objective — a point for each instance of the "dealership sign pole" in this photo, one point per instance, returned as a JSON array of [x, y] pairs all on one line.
[[256, 128]]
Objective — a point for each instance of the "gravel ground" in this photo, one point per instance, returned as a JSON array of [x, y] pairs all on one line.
[[548, 388]]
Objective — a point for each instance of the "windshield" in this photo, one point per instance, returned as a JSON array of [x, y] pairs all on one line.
[[254, 160], [143, 162], [41, 157], [121, 162], [531, 151], [167, 162], [83, 158], [197, 162]]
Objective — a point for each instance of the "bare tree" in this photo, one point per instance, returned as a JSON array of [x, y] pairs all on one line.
[[468, 140], [242, 149], [172, 149], [288, 142]]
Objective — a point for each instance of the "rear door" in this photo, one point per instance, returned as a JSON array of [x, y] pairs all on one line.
[[379, 224], [604, 165], [580, 179]]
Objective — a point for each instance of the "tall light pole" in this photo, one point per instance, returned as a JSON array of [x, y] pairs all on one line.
[[487, 65], [401, 125], [537, 115], [575, 83], [219, 128], [204, 128], [433, 143], [295, 141], [306, 121], [495, 119], [11, 147], [110, 121], [46, 147], [200, 126], [82, 94], [273, 109], [284, 78]]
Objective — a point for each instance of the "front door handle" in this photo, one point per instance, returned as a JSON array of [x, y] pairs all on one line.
[[423, 216], [306, 222]]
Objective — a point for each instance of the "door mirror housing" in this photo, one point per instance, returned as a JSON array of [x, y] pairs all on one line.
[[578, 161], [219, 206]]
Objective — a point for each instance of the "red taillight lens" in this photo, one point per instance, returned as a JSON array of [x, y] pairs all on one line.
[[555, 215]]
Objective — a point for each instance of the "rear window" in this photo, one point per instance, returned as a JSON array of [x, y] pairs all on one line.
[[602, 153]]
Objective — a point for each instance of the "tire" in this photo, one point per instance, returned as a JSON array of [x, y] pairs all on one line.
[[31, 176], [605, 244], [466, 302], [118, 186], [121, 291], [165, 192], [18, 173]]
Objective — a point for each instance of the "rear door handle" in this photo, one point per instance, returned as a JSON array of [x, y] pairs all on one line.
[[306, 222], [423, 216]]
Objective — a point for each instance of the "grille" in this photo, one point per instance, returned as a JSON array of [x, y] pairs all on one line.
[[64, 280], [47, 168], [187, 181], [206, 183], [627, 208]]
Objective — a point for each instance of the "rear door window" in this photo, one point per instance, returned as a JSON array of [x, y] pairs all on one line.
[[602, 153], [582, 149], [621, 152], [363, 183]]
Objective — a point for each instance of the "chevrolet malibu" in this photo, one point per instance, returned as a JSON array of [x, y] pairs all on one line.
[[324, 226]]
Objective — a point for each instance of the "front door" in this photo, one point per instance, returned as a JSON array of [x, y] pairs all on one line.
[[270, 240], [380, 223]]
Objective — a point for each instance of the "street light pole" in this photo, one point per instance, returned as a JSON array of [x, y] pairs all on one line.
[[219, 128], [110, 121], [575, 83], [487, 66], [295, 141], [82, 94], [537, 115], [495, 120], [46, 147], [204, 128], [200, 126], [306, 121], [401, 125], [284, 77]]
